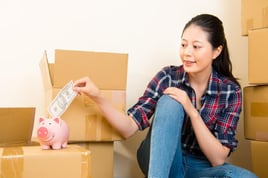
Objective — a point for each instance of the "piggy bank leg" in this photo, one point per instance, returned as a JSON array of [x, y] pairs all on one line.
[[64, 145], [45, 147], [56, 146]]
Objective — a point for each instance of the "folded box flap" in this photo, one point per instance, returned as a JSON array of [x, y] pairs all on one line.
[[106, 70], [46, 71], [16, 125]]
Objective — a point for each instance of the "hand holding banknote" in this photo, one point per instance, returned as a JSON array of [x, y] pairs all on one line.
[[86, 86], [62, 101]]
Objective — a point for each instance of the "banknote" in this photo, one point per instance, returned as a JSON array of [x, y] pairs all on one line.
[[62, 101]]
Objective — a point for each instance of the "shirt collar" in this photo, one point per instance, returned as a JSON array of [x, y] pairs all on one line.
[[211, 83], [185, 79]]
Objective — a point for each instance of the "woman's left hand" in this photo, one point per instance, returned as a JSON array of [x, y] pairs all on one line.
[[179, 95]]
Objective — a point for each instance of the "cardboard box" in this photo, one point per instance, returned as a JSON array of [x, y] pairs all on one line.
[[107, 70], [32, 161], [16, 125], [256, 112], [109, 73], [86, 121], [102, 158], [259, 157], [257, 56], [254, 15]]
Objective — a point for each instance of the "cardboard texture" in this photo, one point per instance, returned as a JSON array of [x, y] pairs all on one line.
[[259, 157], [107, 70], [109, 73], [32, 161], [86, 121], [102, 158], [16, 126], [256, 112], [254, 15], [257, 56]]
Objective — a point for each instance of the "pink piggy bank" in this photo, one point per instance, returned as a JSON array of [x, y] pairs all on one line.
[[52, 133]]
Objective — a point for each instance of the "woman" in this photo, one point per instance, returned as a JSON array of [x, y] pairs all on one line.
[[196, 108]]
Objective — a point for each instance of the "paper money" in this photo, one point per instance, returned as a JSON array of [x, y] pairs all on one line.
[[62, 101]]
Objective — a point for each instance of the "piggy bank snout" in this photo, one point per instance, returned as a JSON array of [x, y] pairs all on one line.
[[42, 132]]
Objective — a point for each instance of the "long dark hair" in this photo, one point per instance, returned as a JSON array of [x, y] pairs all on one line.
[[216, 36]]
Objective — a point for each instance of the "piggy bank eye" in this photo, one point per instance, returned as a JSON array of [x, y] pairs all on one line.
[[49, 123]]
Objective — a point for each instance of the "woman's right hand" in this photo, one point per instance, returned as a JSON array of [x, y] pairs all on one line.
[[86, 86], [119, 120]]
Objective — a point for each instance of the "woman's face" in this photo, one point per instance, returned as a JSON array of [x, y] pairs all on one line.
[[196, 52]]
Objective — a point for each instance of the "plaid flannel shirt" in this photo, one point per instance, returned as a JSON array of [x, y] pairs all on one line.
[[220, 111]]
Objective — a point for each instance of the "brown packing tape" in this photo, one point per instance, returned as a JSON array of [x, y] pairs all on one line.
[[86, 165], [249, 25], [259, 109], [97, 126], [116, 97], [12, 166], [265, 17], [91, 125], [261, 136], [96, 123]]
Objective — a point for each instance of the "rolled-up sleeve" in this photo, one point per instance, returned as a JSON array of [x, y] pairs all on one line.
[[143, 110], [226, 126]]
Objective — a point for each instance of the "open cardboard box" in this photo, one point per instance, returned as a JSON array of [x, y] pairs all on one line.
[[107, 70], [16, 126]]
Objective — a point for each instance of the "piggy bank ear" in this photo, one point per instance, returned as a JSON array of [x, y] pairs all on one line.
[[57, 120], [41, 119]]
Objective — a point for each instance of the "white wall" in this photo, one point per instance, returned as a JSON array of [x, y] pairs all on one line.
[[149, 31]]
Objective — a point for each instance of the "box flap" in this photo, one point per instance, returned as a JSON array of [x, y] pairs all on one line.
[[16, 125], [46, 71], [106, 70]]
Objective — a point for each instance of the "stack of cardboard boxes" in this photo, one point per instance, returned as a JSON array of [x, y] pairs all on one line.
[[91, 143], [255, 26], [88, 127]]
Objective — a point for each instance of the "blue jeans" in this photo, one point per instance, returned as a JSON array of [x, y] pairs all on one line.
[[166, 158]]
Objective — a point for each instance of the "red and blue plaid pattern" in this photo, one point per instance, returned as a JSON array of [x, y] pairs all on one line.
[[220, 111]]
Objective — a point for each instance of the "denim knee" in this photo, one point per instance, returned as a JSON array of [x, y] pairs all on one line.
[[169, 104], [169, 108]]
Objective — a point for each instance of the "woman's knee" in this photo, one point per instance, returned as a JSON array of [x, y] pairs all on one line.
[[169, 104], [168, 109]]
